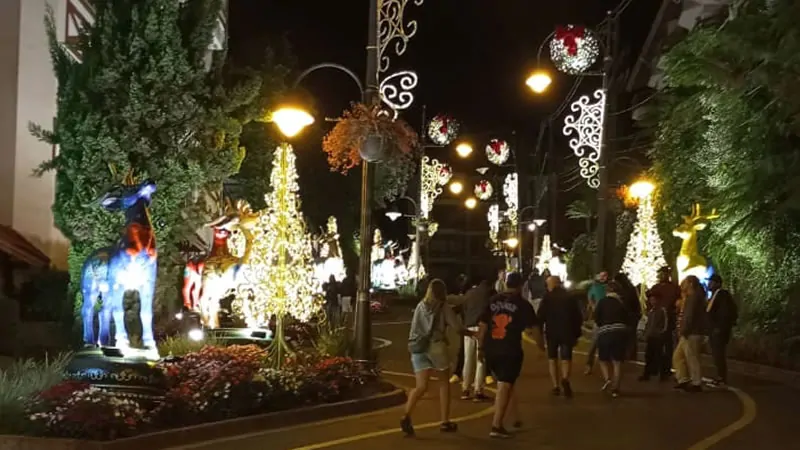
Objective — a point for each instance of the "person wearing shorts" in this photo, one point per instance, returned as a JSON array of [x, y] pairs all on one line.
[[612, 318], [561, 317], [500, 330]]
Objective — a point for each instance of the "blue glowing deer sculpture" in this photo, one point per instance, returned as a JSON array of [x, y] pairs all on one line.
[[130, 265]]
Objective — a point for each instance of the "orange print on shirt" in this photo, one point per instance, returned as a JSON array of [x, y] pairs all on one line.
[[501, 321]]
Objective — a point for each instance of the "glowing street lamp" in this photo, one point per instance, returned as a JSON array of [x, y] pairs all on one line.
[[456, 187], [291, 121], [511, 242], [641, 189], [464, 150], [539, 81], [471, 203]]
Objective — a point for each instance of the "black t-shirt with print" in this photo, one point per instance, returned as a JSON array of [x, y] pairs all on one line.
[[507, 316]]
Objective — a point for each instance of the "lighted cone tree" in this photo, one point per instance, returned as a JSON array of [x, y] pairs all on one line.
[[279, 279], [644, 255]]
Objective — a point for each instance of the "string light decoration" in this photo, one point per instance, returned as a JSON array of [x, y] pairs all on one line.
[[398, 96], [511, 194], [574, 49], [430, 184], [644, 255], [588, 125], [493, 216], [483, 190], [443, 129], [279, 278], [328, 252], [445, 174], [498, 151], [547, 261]]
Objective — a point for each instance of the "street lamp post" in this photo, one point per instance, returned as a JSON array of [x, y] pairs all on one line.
[[418, 226]]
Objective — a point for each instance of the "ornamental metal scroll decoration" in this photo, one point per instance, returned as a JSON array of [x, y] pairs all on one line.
[[395, 90], [430, 188], [493, 217], [511, 194], [392, 27], [588, 125]]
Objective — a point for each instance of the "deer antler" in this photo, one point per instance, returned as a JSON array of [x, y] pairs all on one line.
[[697, 215]]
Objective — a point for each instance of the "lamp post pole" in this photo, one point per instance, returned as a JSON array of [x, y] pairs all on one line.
[[363, 325]]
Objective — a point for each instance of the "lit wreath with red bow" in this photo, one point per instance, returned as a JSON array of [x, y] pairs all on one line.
[[443, 129], [497, 151], [445, 174], [574, 49], [484, 190]]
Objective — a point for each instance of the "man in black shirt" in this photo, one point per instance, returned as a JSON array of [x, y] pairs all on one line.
[[500, 337]]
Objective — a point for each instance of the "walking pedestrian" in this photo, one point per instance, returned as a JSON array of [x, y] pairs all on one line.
[[332, 293], [655, 333], [596, 293], [612, 319], [722, 316], [500, 337], [534, 289], [630, 298], [561, 317], [474, 372], [692, 328], [427, 343], [666, 294]]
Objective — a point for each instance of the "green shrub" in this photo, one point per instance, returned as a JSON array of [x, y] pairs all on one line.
[[182, 345], [333, 341], [22, 380]]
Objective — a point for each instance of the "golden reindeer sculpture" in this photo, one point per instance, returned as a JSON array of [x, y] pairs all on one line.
[[689, 261]]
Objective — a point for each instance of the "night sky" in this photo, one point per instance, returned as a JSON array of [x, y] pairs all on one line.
[[472, 56]]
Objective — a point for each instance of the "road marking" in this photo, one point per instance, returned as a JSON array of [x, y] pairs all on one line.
[[400, 322]]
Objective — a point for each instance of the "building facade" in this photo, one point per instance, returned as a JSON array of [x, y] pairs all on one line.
[[28, 90]]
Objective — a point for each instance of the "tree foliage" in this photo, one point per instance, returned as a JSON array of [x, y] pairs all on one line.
[[144, 98], [729, 137]]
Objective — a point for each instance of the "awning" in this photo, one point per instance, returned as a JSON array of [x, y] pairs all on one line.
[[16, 246]]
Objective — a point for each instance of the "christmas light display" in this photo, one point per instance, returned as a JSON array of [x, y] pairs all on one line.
[[389, 270], [398, 97], [484, 190], [511, 194], [547, 261], [690, 261], [328, 255], [498, 151], [588, 126], [574, 49], [644, 256], [445, 174], [493, 216], [443, 129], [279, 278], [431, 172]]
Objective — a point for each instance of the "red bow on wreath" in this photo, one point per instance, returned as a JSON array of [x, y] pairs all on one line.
[[483, 185], [445, 126], [569, 37], [496, 146]]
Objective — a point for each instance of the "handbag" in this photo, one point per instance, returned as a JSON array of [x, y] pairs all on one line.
[[422, 343]]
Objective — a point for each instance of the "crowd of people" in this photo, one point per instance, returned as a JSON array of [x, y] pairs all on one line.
[[492, 317]]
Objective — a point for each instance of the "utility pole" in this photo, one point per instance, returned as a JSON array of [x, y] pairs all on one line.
[[363, 325]]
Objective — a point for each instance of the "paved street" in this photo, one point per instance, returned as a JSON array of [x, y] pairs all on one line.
[[649, 415]]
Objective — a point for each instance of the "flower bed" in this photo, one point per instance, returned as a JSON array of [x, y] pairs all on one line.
[[215, 383]]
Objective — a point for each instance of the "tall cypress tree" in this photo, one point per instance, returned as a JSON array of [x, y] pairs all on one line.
[[143, 98]]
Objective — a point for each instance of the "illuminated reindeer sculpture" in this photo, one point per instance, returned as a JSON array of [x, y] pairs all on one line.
[[130, 265], [208, 279], [689, 261]]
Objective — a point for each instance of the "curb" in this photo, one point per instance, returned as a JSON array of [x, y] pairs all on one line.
[[754, 370], [215, 430]]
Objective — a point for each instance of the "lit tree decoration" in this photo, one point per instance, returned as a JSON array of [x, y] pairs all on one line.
[[589, 128], [430, 184], [443, 129], [484, 190], [511, 194], [545, 260], [445, 174], [574, 49], [644, 255], [279, 278], [493, 216], [498, 151]]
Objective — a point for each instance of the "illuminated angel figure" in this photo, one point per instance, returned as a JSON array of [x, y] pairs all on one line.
[[328, 255]]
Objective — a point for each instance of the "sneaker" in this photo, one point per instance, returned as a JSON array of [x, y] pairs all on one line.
[[681, 386], [499, 433], [448, 427], [606, 385], [406, 426], [466, 395], [489, 380], [567, 388], [615, 393], [556, 391], [455, 379], [480, 397]]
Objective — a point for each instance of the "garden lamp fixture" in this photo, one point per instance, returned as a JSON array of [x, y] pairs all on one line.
[[511, 242], [393, 214], [456, 187], [539, 81], [641, 189], [471, 203], [291, 121], [464, 150]]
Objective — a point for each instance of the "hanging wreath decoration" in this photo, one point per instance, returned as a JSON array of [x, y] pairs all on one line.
[[484, 190], [445, 174], [497, 151], [443, 129], [574, 49]]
